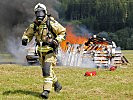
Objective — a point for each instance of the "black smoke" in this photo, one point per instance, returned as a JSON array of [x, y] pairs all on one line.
[[16, 15]]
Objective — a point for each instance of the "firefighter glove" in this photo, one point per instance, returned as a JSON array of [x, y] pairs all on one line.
[[24, 42], [54, 43]]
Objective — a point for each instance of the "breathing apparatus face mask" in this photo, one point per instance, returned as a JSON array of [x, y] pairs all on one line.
[[40, 15]]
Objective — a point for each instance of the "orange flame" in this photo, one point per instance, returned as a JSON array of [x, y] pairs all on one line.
[[72, 38]]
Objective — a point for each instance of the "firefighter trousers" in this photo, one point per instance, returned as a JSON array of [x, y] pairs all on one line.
[[47, 61]]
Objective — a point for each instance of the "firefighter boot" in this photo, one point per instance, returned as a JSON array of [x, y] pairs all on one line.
[[57, 86], [45, 94]]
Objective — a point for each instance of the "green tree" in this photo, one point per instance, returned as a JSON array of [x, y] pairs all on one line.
[[125, 37], [112, 16]]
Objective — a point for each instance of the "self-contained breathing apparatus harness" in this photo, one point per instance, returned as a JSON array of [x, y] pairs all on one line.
[[48, 34]]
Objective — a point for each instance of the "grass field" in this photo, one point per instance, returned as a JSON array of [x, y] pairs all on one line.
[[25, 83]]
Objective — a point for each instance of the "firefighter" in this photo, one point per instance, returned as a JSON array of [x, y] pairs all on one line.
[[48, 33]]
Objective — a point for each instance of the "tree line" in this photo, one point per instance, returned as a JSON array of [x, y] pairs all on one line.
[[112, 16]]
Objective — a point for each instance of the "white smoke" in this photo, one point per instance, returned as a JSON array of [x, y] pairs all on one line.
[[74, 58], [18, 51], [82, 31]]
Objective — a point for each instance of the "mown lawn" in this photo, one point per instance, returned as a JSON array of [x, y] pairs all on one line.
[[19, 82]]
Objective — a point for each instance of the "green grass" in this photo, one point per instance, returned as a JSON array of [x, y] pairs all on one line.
[[25, 83]]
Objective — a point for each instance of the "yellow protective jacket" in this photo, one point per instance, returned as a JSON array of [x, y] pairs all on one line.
[[40, 32]]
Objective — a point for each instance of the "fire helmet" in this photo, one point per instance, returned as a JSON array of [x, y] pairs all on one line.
[[40, 11], [40, 7]]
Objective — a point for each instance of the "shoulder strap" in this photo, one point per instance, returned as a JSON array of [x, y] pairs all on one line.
[[35, 25], [49, 26]]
